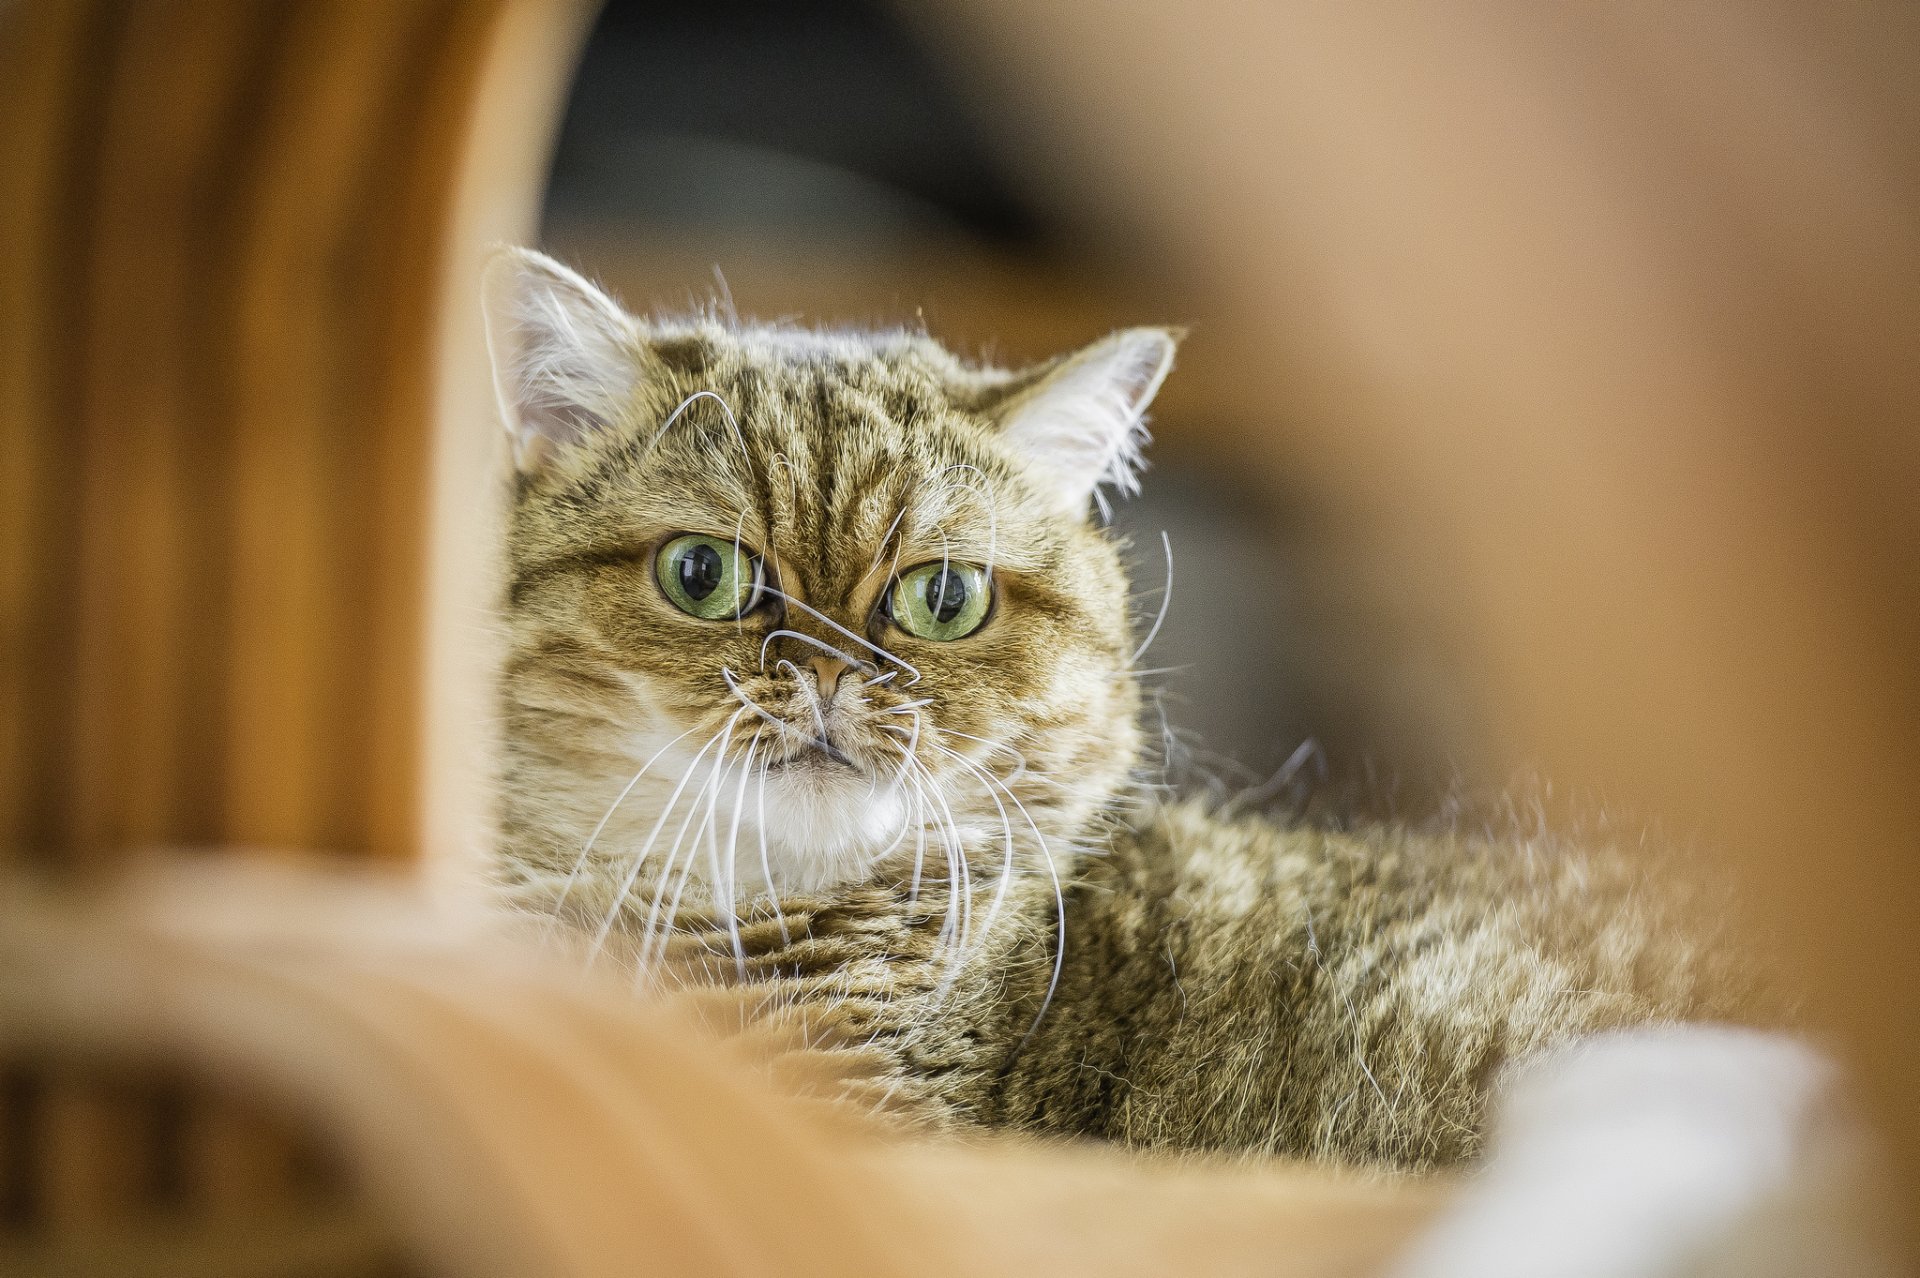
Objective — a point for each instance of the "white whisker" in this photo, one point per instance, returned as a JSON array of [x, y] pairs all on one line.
[[586, 850], [730, 876], [880, 552], [868, 644], [1166, 597], [633, 873], [913, 740], [1019, 759], [784, 728], [766, 868], [853, 662], [1059, 896], [711, 793], [960, 886], [725, 409], [812, 696]]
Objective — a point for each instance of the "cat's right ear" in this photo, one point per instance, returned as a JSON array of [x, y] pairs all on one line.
[[565, 356], [1080, 421]]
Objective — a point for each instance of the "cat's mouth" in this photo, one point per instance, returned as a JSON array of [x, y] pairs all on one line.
[[816, 757]]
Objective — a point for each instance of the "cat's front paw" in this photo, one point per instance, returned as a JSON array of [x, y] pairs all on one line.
[[1691, 1150]]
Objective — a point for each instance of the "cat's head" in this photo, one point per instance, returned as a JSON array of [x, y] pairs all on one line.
[[803, 608]]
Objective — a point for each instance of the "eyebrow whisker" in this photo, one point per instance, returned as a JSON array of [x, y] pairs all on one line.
[[892, 528], [725, 409]]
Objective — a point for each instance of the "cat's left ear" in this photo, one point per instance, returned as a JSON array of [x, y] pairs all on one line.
[[1083, 422], [566, 358]]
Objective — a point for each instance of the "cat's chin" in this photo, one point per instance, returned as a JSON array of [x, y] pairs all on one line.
[[826, 825]]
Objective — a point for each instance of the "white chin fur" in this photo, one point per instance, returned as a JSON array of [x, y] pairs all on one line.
[[801, 829], [823, 828], [806, 828]]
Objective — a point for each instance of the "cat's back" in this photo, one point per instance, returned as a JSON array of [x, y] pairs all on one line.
[[1344, 993], [1429, 902]]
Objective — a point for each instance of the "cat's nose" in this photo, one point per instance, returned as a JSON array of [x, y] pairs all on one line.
[[826, 675]]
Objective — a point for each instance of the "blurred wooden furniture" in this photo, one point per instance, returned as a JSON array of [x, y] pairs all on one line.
[[446, 1100], [237, 238]]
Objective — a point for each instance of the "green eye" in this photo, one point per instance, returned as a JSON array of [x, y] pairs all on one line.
[[711, 578], [942, 600]]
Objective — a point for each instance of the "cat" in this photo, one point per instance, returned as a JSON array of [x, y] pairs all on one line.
[[821, 689]]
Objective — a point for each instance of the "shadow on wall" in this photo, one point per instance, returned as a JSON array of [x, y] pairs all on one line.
[[820, 165]]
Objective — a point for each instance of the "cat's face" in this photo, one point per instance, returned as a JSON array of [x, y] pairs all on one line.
[[792, 610]]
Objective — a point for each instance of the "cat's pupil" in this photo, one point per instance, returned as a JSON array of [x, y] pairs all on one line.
[[700, 571], [946, 595]]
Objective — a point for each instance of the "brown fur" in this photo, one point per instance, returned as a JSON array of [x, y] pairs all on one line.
[[1224, 984], [1231, 985]]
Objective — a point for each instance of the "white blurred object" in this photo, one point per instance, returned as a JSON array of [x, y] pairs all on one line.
[[1687, 1151]]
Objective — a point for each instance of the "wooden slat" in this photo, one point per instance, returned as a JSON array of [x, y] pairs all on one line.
[[329, 1241], [95, 1158], [294, 384], [432, 122], [494, 196], [21, 1142], [50, 111], [239, 1160], [154, 449], [229, 236]]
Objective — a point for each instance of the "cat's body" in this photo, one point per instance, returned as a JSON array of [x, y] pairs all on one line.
[[890, 791], [1227, 984]]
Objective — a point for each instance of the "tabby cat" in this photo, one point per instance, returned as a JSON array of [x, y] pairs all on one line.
[[821, 687]]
